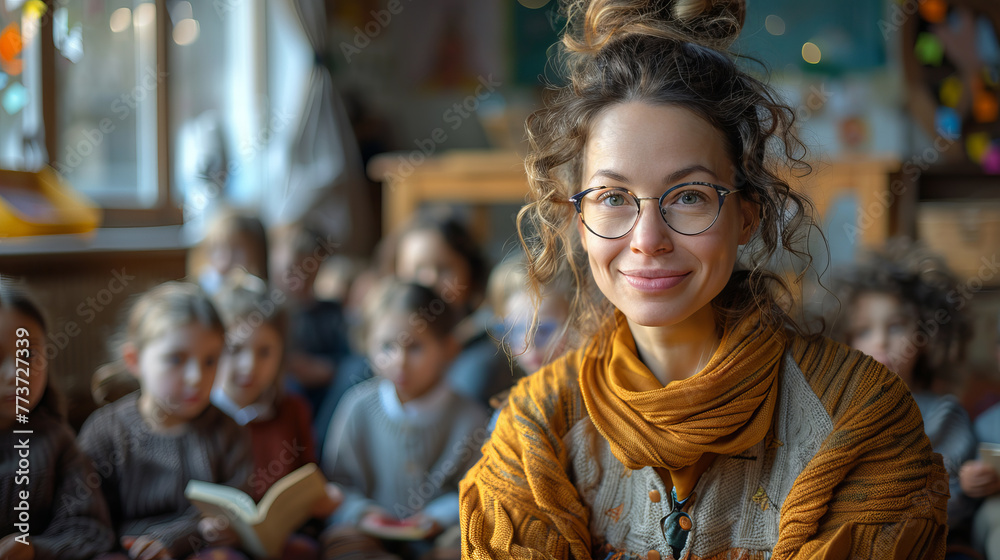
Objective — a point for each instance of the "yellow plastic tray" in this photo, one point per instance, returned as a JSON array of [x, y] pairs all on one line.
[[43, 203]]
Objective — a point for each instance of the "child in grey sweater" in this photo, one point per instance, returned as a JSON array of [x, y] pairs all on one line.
[[400, 443]]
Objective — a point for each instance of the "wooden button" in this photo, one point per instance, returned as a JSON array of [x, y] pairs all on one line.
[[652, 554], [654, 496], [684, 522]]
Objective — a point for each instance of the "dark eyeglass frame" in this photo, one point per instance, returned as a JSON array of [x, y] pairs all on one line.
[[723, 192]]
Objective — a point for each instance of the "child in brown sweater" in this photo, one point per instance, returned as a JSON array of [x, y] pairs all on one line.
[[149, 444], [249, 389], [48, 508]]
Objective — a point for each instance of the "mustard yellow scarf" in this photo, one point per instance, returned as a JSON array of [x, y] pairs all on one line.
[[723, 410]]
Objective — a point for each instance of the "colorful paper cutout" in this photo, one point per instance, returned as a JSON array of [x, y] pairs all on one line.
[[947, 122], [991, 161], [933, 11], [976, 145], [929, 49], [14, 98], [951, 91], [985, 106], [10, 48], [35, 9]]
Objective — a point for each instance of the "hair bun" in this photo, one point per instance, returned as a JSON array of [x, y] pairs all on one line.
[[711, 23]]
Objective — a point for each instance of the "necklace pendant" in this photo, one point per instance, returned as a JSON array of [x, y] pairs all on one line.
[[676, 526]]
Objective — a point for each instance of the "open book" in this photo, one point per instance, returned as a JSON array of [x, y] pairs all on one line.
[[263, 528], [990, 454]]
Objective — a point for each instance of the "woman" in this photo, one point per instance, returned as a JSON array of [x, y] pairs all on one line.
[[697, 421]]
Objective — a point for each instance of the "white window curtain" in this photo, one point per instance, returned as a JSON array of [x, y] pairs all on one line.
[[315, 162]]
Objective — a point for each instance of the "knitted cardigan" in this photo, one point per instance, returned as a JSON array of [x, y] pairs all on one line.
[[846, 471]]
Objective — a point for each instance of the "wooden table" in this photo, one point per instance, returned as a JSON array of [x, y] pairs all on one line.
[[477, 177]]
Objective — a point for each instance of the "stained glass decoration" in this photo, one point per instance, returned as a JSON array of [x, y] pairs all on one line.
[[10, 50], [15, 98]]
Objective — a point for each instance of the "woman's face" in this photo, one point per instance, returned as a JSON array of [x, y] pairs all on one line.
[[654, 275], [426, 259], [885, 329]]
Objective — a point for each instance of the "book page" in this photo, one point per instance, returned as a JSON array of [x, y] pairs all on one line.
[[990, 454]]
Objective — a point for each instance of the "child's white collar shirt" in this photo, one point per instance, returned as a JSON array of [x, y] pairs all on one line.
[[242, 416], [424, 410]]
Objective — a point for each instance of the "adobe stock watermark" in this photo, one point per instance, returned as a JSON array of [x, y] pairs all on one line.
[[901, 11], [462, 454], [215, 183], [875, 210], [816, 99], [420, 320], [90, 139], [363, 36], [959, 297], [87, 311], [454, 116]]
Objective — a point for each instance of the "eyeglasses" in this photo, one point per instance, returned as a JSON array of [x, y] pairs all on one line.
[[688, 208]]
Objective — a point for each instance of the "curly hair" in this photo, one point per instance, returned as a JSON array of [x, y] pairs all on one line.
[[922, 281], [666, 52]]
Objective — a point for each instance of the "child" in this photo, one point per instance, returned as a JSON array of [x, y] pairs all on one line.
[[400, 442], [233, 240], [534, 340], [897, 311], [149, 444], [317, 329], [438, 252], [980, 480], [49, 508], [248, 389]]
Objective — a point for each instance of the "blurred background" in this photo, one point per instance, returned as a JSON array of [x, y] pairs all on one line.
[[354, 115]]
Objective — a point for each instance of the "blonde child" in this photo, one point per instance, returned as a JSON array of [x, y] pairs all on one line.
[[149, 444], [896, 310], [400, 442], [249, 390], [233, 240], [536, 332], [49, 510]]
